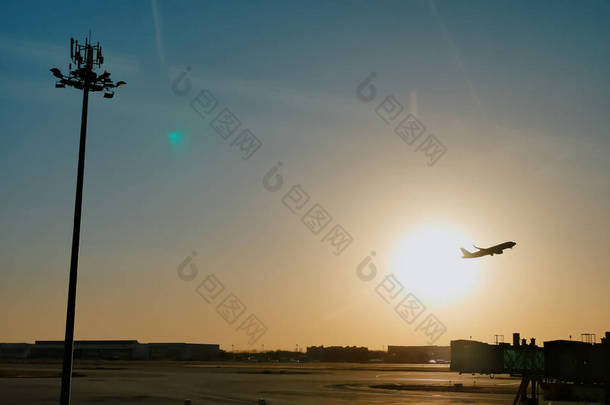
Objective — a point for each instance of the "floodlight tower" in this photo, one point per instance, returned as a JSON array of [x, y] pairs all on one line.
[[85, 58]]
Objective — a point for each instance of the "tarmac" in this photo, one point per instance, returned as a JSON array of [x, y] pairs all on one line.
[[118, 382]]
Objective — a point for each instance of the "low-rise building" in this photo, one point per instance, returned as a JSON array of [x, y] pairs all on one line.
[[111, 350]]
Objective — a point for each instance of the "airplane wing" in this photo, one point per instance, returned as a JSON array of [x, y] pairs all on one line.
[[478, 247]]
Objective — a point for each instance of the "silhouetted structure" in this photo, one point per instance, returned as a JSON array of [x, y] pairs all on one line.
[[134, 350], [565, 369], [183, 351], [15, 350], [84, 78], [494, 250], [112, 350], [338, 353]]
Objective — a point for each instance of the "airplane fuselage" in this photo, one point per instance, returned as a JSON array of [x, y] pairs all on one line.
[[494, 250]]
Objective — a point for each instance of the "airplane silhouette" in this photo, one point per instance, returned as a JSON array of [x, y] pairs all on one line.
[[494, 250]]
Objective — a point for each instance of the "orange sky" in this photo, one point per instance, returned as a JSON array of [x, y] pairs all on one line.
[[521, 109]]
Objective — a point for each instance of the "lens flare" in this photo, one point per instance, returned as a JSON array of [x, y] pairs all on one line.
[[175, 138]]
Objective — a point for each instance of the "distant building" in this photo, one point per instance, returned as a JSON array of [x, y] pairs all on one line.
[[418, 354], [183, 351], [14, 350], [111, 350], [338, 353], [91, 349]]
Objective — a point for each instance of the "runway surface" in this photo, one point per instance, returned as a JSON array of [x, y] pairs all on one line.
[[114, 382]]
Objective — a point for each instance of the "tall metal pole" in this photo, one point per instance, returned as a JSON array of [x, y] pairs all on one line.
[[82, 78], [66, 375]]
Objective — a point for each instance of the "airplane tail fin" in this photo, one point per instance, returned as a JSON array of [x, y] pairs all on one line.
[[465, 253]]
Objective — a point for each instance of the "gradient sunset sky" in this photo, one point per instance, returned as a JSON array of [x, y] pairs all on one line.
[[518, 92]]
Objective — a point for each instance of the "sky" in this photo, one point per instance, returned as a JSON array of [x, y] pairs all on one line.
[[197, 232]]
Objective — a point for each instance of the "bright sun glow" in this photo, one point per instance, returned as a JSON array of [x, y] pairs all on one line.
[[429, 260]]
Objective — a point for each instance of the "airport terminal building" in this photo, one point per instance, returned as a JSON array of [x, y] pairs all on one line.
[[111, 350]]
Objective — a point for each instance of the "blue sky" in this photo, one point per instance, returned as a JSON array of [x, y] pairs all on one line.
[[517, 92]]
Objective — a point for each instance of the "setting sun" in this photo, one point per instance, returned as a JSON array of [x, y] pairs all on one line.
[[429, 258]]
